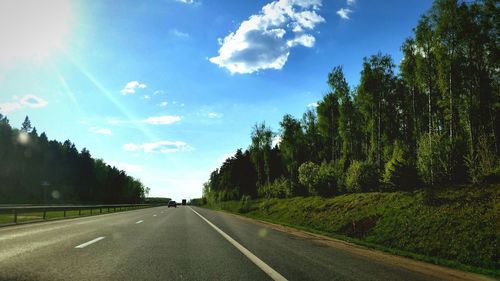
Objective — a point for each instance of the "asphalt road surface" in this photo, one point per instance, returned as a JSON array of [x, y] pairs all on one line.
[[190, 243]]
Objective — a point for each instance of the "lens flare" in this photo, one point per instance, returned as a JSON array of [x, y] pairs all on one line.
[[31, 29]]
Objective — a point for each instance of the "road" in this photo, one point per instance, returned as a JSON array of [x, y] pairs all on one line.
[[190, 243]]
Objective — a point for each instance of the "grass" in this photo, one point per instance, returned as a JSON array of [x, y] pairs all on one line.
[[458, 226], [24, 217]]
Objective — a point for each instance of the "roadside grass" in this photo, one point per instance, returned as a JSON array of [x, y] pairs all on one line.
[[23, 217], [457, 227]]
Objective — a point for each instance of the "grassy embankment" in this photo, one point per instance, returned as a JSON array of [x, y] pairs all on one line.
[[458, 227], [24, 217]]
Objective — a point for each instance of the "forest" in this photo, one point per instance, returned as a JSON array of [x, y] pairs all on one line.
[[34, 170], [432, 121]]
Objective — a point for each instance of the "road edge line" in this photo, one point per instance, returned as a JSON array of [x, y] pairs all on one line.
[[258, 262]]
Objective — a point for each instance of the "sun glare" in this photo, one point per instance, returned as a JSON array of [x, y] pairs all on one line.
[[30, 29]]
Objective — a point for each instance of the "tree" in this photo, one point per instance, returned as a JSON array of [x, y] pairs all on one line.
[[312, 137], [374, 93], [328, 116], [260, 151], [309, 176], [26, 126], [426, 71], [340, 90], [292, 145]]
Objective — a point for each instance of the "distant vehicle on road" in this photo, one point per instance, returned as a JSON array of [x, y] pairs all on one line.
[[172, 203], [183, 202]]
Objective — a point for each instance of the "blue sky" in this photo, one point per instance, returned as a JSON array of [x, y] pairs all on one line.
[[167, 89]]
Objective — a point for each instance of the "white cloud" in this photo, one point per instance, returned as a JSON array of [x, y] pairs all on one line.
[[159, 146], [214, 115], [33, 101], [158, 92], [163, 120], [179, 33], [26, 101], [313, 104], [190, 2], [306, 40], [163, 103], [146, 97], [351, 2], [8, 107], [264, 40], [101, 131], [344, 13], [276, 141], [131, 87], [127, 167]]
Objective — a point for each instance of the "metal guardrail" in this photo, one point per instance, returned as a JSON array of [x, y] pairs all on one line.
[[15, 211]]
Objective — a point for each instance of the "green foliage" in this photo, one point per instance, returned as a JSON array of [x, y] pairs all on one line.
[[400, 172], [279, 188], [309, 176], [260, 151], [331, 179], [433, 158], [482, 165], [292, 145], [245, 204], [361, 177]]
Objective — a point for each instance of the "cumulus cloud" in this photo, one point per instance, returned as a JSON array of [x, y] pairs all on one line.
[[26, 101], [131, 87], [163, 103], [101, 131], [264, 40], [344, 13], [351, 2], [163, 120], [313, 104], [159, 146]]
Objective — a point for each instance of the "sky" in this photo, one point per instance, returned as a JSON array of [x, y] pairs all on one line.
[[166, 90]]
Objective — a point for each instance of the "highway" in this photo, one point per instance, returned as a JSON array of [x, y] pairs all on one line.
[[190, 243]]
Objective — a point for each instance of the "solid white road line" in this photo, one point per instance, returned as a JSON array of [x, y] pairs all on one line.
[[139, 221], [262, 265], [90, 242]]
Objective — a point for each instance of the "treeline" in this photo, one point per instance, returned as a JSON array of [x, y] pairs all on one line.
[[433, 122], [35, 170]]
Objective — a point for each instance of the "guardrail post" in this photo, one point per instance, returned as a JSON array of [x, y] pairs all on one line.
[[91, 211], [44, 213], [79, 211], [64, 213], [100, 210], [15, 216]]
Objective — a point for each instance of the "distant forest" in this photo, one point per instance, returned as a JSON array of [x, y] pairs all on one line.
[[34, 170], [434, 122]]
